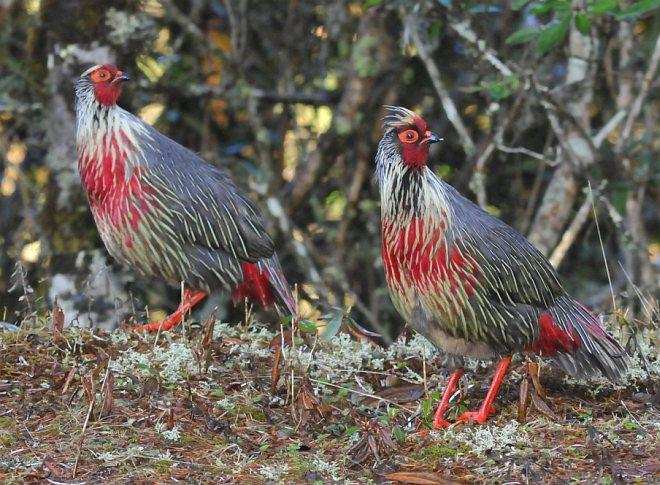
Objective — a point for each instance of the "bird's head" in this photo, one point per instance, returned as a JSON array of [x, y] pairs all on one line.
[[104, 82], [407, 135]]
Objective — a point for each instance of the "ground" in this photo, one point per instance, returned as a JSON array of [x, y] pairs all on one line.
[[226, 403]]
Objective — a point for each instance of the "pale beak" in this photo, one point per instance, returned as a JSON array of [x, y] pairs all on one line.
[[120, 78], [430, 137]]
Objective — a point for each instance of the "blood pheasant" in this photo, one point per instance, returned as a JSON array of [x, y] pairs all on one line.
[[472, 285], [163, 211]]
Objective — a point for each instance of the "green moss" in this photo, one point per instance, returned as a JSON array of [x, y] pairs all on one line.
[[436, 452], [6, 423], [7, 440]]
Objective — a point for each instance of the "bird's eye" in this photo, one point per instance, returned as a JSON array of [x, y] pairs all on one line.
[[100, 75], [409, 136]]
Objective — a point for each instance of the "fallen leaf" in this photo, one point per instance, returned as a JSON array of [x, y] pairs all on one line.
[[542, 406], [535, 371], [401, 394], [57, 321], [523, 399], [418, 478]]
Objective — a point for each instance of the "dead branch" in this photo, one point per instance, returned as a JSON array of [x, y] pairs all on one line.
[[448, 104]]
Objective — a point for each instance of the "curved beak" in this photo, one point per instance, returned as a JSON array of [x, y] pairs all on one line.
[[120, 78], [430, 137]]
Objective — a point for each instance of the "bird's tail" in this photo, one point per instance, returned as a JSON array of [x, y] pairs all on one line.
[[283, 299], [590, 350]]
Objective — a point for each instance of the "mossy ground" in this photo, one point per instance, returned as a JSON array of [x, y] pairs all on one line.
[[201, 405]]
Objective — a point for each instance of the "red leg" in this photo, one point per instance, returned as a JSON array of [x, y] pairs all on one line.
[[439, 420], [189, 300], [487, 409]]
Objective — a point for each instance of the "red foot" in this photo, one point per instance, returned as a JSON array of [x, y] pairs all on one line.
[[190, 299], [486, 410], [439, 420], [479, 417], [441, 423]]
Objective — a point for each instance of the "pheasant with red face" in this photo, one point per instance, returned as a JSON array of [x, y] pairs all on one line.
[[166, 213], [468, 282]]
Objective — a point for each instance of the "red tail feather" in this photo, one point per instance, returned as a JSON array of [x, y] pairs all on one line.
[[553, 339], [255, 286]]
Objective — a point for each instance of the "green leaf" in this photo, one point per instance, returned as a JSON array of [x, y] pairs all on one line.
[[307, 326], [518, 4], [399, 434], [523, 35], [542, 8], [603, 6], [552, 35], [435, 30], [582, 23], [334, 321], [637, 9], [502, 89]]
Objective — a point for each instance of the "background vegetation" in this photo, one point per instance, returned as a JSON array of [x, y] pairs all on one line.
[[535, 100], [548, 110]]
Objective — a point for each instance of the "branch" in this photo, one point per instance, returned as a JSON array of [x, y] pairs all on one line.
[[528, 152], [464, 29], [443, 93], [571, 233], [608, 128], [643, 92], [319, 98]]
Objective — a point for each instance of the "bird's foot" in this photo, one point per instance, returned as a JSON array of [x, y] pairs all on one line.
[[441, 423], [189, 300], [479, 417], [164, 325]]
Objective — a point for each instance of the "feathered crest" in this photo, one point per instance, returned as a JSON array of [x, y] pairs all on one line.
[[91, 69], [398, 116]]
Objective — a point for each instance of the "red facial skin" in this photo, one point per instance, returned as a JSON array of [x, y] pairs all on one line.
[[107, 85], [415, 149]]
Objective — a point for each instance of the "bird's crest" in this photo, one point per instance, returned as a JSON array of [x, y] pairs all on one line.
[[398, 116], [90, 70]]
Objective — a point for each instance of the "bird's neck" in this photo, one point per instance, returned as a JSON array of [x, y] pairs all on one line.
[[109, 144], [411, 194]]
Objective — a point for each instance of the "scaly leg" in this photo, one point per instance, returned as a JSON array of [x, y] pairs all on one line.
[[439, 420], [189, 300], [487, 409]]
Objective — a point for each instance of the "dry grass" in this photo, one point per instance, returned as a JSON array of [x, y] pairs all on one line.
[[78, 407]]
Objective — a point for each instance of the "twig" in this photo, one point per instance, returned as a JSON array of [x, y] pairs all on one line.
[[633, 416], [82, 436], [443, 93], [610, 126], [359, 393], [89, 414], [528, 152], [318, 98], [571, 233], [602, 247], [463, 29], [644, 89]]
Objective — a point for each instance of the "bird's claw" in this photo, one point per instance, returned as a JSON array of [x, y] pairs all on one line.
[[479, 417], [154, 326], [441, 423]]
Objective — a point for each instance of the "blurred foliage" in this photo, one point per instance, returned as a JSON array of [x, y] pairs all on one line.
[[288, 97]]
